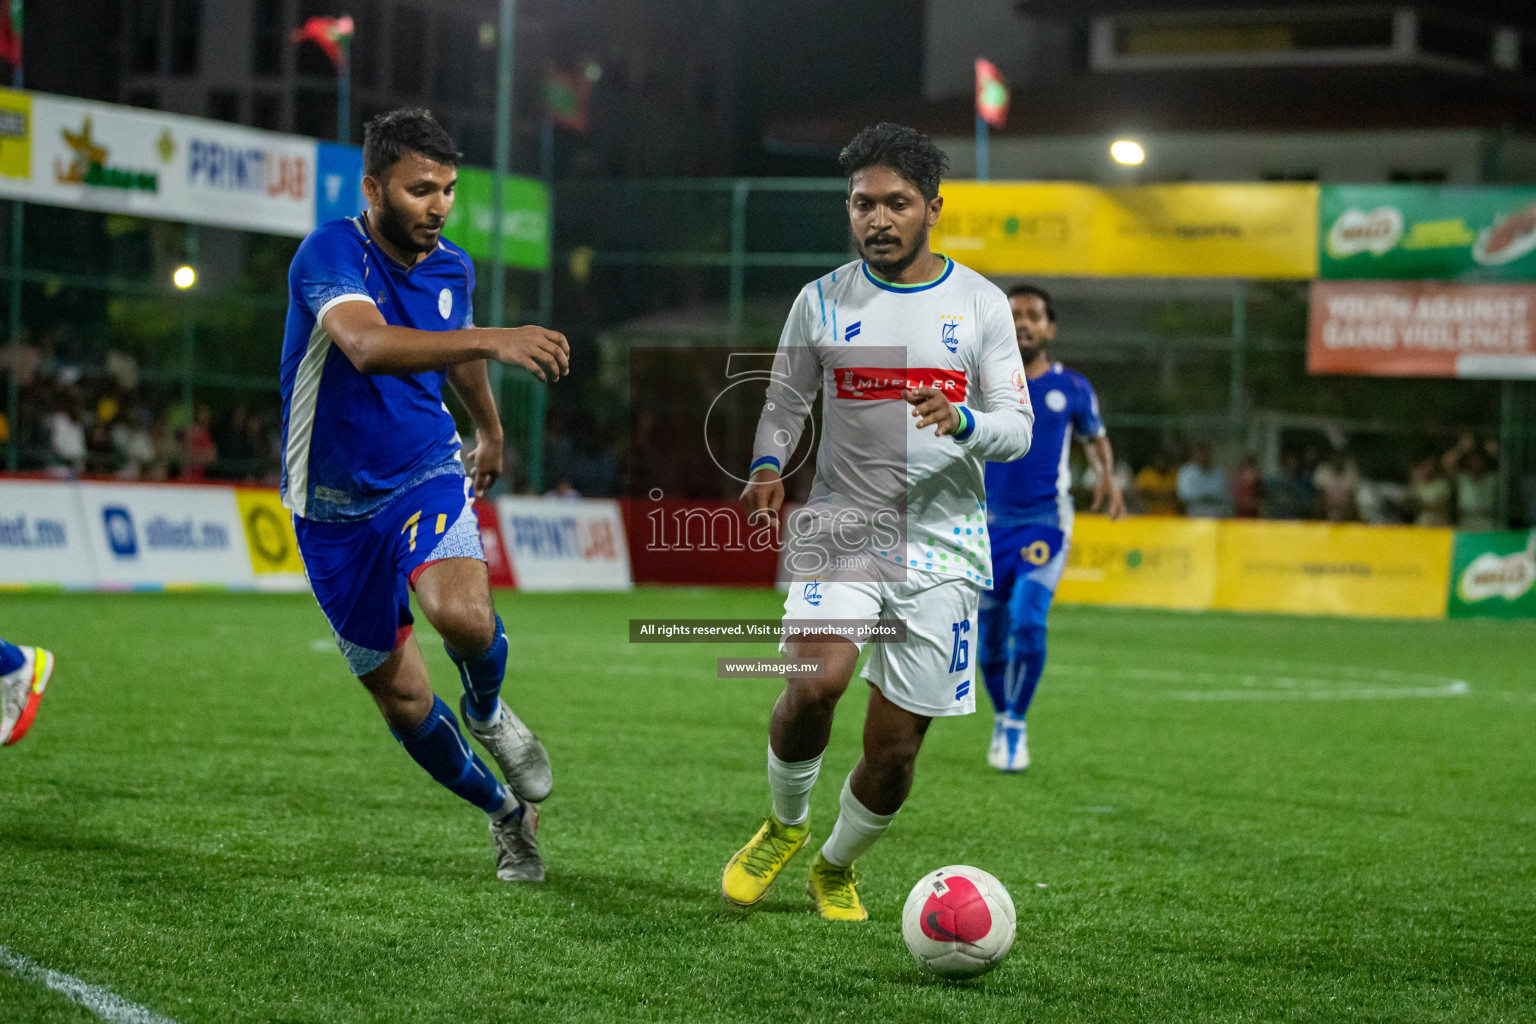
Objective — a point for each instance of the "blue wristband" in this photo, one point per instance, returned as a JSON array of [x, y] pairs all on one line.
[[765, 462], [967, 424]]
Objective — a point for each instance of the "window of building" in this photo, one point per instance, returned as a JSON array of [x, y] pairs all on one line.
[[366, 43], [186, 34], [267, 111], [144, 37], [1401, 176], [224, 105], [408, 70], [457, 45], [1447, 37], [145, 99], [266, 37], [314, 112]]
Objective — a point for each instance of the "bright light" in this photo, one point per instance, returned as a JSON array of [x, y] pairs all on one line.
[[1127, 152], [185, 277]]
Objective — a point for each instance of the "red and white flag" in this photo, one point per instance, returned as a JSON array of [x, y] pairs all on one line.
[[991, 94]]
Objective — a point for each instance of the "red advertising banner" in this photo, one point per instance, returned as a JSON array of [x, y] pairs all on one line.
[[1422, 329]]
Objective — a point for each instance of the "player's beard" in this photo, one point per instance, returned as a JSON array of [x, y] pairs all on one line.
[[397, 232], [1029, 353], [891, 267]]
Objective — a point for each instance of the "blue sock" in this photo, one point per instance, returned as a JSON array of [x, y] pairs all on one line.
[[11, 658], [482, 676], [437, 746], [1026, 664], [995, 673]]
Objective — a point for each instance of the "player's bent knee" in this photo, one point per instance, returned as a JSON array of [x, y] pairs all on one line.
[[467, 624]]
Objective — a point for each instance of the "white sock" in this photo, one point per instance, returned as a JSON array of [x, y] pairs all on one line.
[[856, 830], [790, 784]]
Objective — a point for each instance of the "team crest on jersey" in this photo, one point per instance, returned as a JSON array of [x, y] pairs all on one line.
[[947, 326], [813, 593], [1021, 386], [1055, 400], [445, 302]]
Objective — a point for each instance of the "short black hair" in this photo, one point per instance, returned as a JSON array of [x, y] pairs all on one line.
[[1039, 293], [904, 150], [386, 136]]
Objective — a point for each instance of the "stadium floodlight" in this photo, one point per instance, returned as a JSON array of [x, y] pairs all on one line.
[[1127, 152], [184, 277]]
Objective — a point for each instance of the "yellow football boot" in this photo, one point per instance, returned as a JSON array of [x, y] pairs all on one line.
[[754, 867], [833, 890]]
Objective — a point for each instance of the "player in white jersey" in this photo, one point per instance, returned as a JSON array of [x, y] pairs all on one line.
[[895, 526]]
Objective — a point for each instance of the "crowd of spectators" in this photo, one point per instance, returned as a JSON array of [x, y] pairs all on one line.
[[1457, 487], [106, 422]]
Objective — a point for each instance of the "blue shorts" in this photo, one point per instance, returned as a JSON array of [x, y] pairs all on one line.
[[1034, 552], [362, 571]]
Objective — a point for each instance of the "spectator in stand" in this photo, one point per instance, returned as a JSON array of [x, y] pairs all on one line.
[[1247, 488], [1337, 480], [1477, 492], [202, 452], [1429, 494], [1158, 486], [134, 444], [100, 457], [1203, 485], [66, 433], [1289, 494], [564, 490], [237, 453]]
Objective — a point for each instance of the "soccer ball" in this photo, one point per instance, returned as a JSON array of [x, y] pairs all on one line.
[[958, 922]]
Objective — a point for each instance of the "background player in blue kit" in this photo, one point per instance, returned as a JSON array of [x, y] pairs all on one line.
[[1029, 510], [378, 320]]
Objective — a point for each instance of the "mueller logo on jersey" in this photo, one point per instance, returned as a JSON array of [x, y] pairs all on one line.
[[947, 331], [876, 382]]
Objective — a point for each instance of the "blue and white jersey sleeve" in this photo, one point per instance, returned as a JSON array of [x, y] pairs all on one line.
[[1086, 421], [469, 296], [330, 268]]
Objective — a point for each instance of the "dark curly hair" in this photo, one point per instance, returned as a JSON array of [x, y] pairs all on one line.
[[904, 150], [385, 137], [1039, 293]]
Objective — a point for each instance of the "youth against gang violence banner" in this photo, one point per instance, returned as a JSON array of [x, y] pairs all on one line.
[[1422, 329], [1187, 230]]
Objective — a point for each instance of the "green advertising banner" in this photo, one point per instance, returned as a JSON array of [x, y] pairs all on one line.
[[1494, 574], [524, 224], [1418, 232]]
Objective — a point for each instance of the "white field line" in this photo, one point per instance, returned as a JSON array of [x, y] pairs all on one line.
[[104, 1003]]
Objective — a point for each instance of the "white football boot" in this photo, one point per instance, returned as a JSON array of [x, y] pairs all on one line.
[[21, 691], [523, 761], [1010, 745], [517, 848]]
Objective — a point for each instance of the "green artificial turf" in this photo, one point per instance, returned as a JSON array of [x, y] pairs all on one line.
[[1230, 818]]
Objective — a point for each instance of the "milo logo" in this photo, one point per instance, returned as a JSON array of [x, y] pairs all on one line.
[[1373, 231], [1506, 576]]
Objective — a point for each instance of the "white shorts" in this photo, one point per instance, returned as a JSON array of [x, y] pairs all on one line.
[[933, 673]]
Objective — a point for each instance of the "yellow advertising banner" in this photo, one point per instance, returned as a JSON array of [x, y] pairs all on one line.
[[1333, 569], [15, 133], [1018, 227], [1151, 561], [1186, 230], [1206, 230], [268, 532]]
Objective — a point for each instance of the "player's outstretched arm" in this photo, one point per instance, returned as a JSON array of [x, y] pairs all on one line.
[[373, 346]]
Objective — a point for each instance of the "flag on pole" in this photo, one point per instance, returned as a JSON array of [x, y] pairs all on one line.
[[566, 97], [991, 94], [10, 34], [332, 35]]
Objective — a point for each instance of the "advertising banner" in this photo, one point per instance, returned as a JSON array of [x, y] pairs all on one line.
[[1208, 230], [497, 566], [155, 536], [117, 159], [1494, 574], [269, 537], [1150, 561], [43, 540], [1422, 232], [338, 182], [565, 545], [524, 224], [1333, 569], [1191, 230], [1422, 329]]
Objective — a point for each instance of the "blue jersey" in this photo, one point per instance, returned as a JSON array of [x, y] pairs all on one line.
[[352, 440], [1037, 488]]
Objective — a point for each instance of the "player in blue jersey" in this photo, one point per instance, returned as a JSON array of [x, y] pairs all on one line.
[[378, 321], [24, 674], [1029, 510]]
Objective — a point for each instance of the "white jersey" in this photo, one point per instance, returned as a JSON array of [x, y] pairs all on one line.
[[862, 341]]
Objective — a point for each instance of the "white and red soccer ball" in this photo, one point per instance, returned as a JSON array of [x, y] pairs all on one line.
[[959, 922]]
